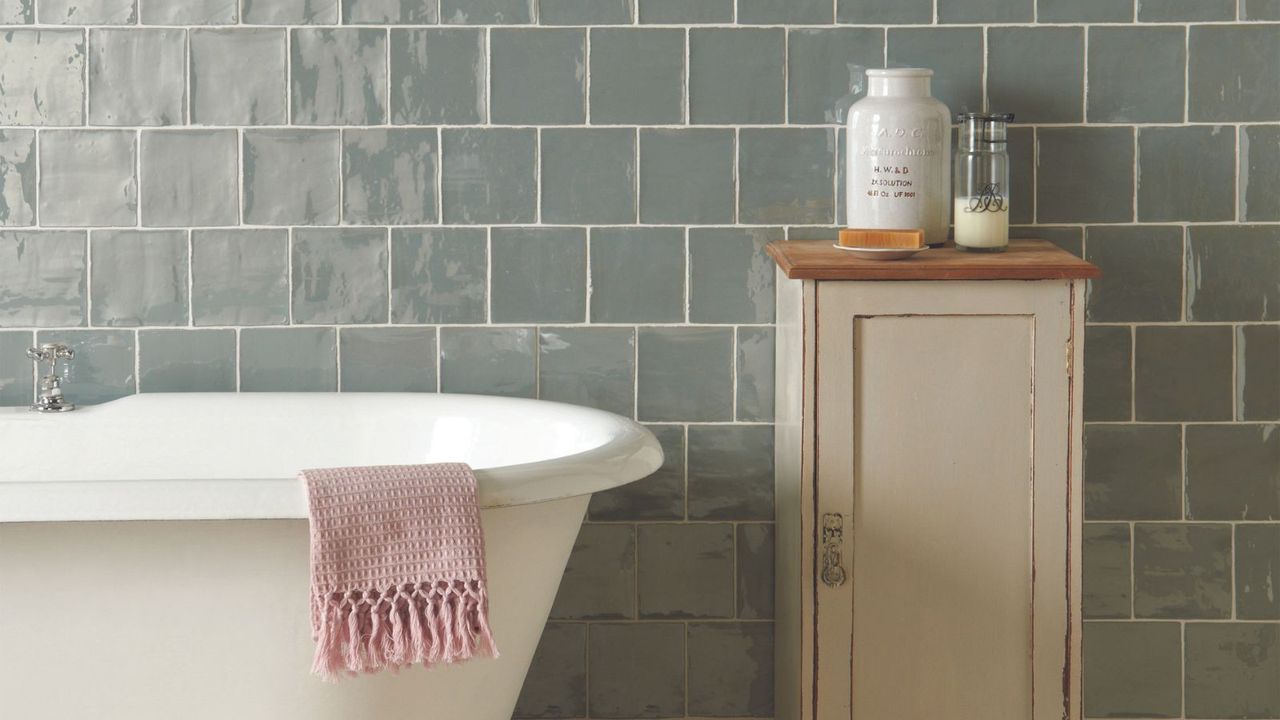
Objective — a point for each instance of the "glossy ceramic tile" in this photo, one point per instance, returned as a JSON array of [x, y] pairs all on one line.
[[731, 669], [586, 12], [277, 12], [291, 177], [384, 359], [1231, 472], [137, 77], [686, 176], [1232, 273], [340, 276], [539, 77], [885, 11], [1141, 274], [1259, 172], [539, 275], [657, 497], [599, 192], [773, 12], [17, 377], [438, 75], [43, 75], [1186, 173], [190, 12], [1257, 563], [240, 277], [639, 669], [986, 11], [786, 176], [637, 275], [730, 472], [406, 12], [599, 582], [755, 571], [1132, 669], [439, 275], [486, 12], [826, 71], [43, 278], [1184, 373], [139, 277], [1108, 361], [1133, 472], [338, 76], [187, 360], [755, 374], [89, 12], [594, 367], [1184, 10], [1092, 174], [288, 359], [637, 75], [190, 177], [103, 368], [488, 361], [389, 176], [1227, 78], [686, 11], [489, 175], [1258, 372], [1182, 571], [684, 374], [736, 76], [1106, 576], [1136, 74], [87, 177], [731, 279], [237, 77], [954, 54], [686, 571], [1232, 668], [556, 685]]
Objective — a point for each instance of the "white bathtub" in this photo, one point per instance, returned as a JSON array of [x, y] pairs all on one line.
[[201, 612]]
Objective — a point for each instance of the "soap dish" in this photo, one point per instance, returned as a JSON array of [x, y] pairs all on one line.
[[880, 253]]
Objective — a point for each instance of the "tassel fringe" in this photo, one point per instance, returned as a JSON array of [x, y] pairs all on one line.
[[429, 623]]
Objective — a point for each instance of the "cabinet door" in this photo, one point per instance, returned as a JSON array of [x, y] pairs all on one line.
[[945, 487]]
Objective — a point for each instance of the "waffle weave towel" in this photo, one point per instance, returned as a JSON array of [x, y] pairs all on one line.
[[397, 568]]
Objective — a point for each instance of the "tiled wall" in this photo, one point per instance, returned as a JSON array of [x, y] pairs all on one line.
[[404, 195]]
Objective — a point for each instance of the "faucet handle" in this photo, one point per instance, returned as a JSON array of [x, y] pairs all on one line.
[[51, 353], [50, 398]]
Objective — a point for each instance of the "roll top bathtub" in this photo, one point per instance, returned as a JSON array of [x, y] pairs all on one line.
[[173, 618]]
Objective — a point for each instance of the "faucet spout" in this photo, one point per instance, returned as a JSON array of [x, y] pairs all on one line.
[[51, 398]]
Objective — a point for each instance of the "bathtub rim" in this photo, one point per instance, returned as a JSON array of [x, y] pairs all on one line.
[[632, 452]]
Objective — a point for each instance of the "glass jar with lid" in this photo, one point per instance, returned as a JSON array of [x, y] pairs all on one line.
[[982, 183]]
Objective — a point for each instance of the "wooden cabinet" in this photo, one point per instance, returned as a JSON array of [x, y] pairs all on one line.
[[929, 498]]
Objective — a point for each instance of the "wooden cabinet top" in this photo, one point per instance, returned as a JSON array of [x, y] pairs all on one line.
[[1024, 260]]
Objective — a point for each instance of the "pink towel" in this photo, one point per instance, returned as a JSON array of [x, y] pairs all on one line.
[[397, 568]]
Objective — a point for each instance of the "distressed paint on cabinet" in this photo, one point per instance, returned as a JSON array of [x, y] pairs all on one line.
[[941, 420]]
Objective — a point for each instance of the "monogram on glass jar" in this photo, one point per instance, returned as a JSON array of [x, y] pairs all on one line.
[[982, 183], [899, 155]]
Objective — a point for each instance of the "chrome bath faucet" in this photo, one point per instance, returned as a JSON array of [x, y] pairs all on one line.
[[51, 399]]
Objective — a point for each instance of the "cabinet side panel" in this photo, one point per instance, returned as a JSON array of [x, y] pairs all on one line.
[[793, 434]]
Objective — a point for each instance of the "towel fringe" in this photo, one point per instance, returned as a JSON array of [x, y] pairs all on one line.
[[428, 623]]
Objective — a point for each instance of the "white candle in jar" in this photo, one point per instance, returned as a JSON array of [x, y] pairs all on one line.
[[986, 229]]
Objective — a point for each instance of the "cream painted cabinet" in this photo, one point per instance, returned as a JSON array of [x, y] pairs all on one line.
[[928, 461]]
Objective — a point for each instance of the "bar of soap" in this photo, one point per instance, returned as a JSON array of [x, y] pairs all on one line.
[[902, 239]]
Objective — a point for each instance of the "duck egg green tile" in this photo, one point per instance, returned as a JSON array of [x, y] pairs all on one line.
[[680, 12], [589, 176], [1259, 172], [1070, 239], [17, 177], [1132, 472], [755, 374], [1070, 11], [489, 175], [1106, 577], [954, 54], [731, 669], [659, 496], [1037, 72], [1132, 669], [139, 277], [88, 12], [1260, 9], [1141, 274], [17, 379], [637, 75], [1186, 173], [986, 11], [386, 359], [438, 75], [18, 12], [594, 367], [1257, 565], [599, 583], [289, 359], [291, 177], [785, 12], [1233, 273], [786, 175], [1258, 372], [637, 275], [190, 12], [1182, 571], [190, 177], [402, 12], [1136, 74], [240, 277], [1183, 373], [755, 571], [187, 360], [290, 12], [556, 684], [389, 176], [1233, 670], [586, 12], [486, 12], [87, 178], [488, 361], [43, 77], [539, 76], [340, 276], [238, 77], [884, 12], [687, 175], [1233, 472], [42, 278], [338, 76], [439, 275], [730, 472], [103, 367], [1085, 174], [730, 276], [1185, 10], [684, 374], [826, 71], [539, 275], [137, 77], [636, 670], [1229, 74], [1108, 352], [736, 75], [686, 571]]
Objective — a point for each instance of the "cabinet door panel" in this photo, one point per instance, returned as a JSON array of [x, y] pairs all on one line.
[[942, 443]]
